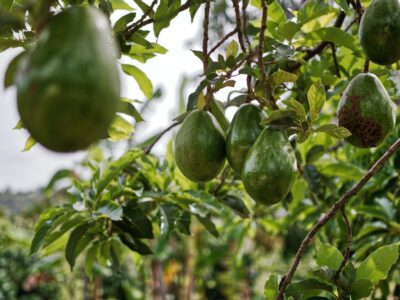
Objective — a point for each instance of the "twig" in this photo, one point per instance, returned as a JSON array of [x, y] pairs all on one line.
[[133, 28], [335, 60], [318, 49], [222, 182], [332, 212], [346, 254], [146, 13], [239, 25], [150, 147], [217, 45], [264, 78], [250, 91], [205, 49]]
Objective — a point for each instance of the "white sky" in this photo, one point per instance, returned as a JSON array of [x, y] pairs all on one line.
[[23, 171]]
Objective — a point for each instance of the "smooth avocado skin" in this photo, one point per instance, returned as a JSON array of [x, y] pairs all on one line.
[[68, 83], [367, 111], [200, 147], [380, 31], [270, 168], [242, 133]]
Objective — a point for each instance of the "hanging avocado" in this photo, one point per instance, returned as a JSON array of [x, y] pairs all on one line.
[[380, 31], [367, 111], [270, 167], [200, 147], [242, 133], [68, 84]]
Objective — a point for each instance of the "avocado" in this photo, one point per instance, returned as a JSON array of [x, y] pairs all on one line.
[[367, 111], [200, 146], [68, 83], [380, 31], [270, 167], [241, 135]]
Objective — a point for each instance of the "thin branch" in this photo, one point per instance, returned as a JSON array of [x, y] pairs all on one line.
[[366, 66], [346, 255], [222, 182], [150, 147], [143, 17], [335, 60], [133, 28], [239, 25], [205, 48], [250, 91], [217, 45], [332, 212], [318, 49], [264, 78]]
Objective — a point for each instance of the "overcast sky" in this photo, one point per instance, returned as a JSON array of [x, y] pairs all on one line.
[[24, 171]]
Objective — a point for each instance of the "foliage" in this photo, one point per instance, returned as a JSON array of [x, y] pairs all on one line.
[[203, 237]]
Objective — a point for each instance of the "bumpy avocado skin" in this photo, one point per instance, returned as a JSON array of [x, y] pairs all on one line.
[[270, 168], [380, 31], [200, 147], [68, 83], [367, 110], [242, 133]]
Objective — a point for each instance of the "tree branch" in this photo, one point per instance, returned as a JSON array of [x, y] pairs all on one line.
[[150, 147], [205, 49], [335, 60], [332, 212], [217, 45]]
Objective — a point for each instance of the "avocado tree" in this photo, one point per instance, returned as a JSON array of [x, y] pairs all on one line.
[[312, 163]]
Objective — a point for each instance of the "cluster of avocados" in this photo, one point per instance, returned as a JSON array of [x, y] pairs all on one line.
[[263, 157], [68, 83]]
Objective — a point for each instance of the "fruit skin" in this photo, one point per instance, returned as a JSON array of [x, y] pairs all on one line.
[[200, 147], [270, 167], [380, 31], [68, 84], [367, 111], [241, 135]]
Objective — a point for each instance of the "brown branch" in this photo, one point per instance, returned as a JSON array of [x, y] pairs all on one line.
[[143, 17], [150, 147], [335, 60], [346, 255], [133, 28], [332, 212], [366, 66], [318, 49], [239, 25], [217, 45], [205, 49], [264, 78]]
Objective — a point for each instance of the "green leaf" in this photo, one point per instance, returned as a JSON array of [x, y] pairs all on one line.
[[297, 108], [288, 29], [166, 11], [361, 288], [217, 109], [316, 99], [208, 224], [313, 9], [277, 115], [115, 168], [343, 5], [194, 7], [90, 257], [307, 285], [135, 245], [144, 7], [281, 76], [30, 142], [271, 287], [76, 243], [345, 171], [120, 4], [19, 125], [40, 235], [141, 78], [11, 69], [334, 35], [139, 220], [237, 205], [335, 131], [111, 209], [232, 49], [127, 107], [123, 22], [329, 256], [302, 136], [377, 265], [6, 43], [120, 129]]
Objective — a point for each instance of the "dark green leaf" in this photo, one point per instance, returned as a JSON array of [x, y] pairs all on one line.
[[76, 243]]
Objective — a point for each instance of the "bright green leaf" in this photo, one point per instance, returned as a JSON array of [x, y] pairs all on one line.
[[141, 78]]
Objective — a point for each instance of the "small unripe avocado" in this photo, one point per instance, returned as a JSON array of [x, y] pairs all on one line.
[[242, 133], [367, 111], [270, 167], [380, 31], [68, 83], [200, 147]]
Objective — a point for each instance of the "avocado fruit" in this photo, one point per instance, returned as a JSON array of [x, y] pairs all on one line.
[[379, 31], [270, 167], [242, 133], [68, 83], [200, 147], [367, 111]]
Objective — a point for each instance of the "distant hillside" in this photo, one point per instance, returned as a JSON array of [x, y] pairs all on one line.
[[12, 203]]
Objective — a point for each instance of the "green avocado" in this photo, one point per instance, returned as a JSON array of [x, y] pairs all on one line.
[[270, 167], [367, 111], [200, 147], [241, 135], [380, 31], [68, 83]]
